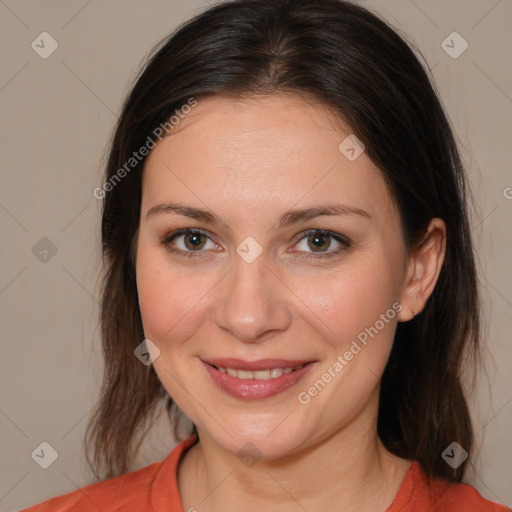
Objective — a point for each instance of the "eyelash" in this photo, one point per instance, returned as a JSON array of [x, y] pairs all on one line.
[[345, 242]]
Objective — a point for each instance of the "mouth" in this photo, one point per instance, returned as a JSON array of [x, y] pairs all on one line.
[[256, 379]]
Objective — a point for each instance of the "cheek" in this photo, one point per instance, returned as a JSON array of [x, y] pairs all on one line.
[[170, 302], [352, 299], [355, 313]]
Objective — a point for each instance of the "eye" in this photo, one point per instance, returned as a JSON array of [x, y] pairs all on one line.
[[320, 241], [191, 244]]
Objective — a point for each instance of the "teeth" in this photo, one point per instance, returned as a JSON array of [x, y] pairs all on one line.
[[233, 373], [273, 373], [260, 374], [242, 374]]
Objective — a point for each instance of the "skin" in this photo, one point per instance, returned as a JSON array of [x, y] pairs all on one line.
[[249, 161]]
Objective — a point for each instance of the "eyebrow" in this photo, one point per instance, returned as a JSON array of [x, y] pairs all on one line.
[[288, 218]]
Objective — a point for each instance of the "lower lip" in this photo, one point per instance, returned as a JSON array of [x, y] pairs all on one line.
[[252, 389]]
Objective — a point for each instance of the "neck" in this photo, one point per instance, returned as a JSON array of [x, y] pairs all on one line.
[[349, 470]]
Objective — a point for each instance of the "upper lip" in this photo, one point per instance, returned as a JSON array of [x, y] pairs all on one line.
[[260, 364]]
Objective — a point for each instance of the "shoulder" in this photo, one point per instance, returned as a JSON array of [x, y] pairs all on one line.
[[419, 493], [465, 498], [153, 487], [109, 495]]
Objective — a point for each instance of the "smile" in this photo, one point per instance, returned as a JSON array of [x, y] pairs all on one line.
[[257, 383]]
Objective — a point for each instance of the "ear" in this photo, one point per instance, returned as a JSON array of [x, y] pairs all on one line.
[[423, 269]]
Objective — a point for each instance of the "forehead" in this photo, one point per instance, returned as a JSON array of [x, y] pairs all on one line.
[[263, 148]]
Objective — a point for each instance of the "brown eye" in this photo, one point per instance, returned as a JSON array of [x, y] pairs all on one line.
[[317, 243], [194, 240], [188, 242]]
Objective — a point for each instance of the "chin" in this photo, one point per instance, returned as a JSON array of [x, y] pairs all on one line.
[[257, 440]]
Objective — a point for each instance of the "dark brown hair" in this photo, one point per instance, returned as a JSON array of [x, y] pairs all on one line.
[[349, 59]]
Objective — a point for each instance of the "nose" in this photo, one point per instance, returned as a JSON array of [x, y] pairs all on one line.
[[253, 302]]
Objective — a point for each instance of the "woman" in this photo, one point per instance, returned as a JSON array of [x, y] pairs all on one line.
[[285, 226]]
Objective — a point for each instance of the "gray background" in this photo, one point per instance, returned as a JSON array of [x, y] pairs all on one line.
[[57, 117]]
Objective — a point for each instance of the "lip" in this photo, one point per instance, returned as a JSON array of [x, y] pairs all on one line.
[[253, 389]]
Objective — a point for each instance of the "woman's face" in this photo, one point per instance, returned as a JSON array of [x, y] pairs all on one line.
[[256, 281]]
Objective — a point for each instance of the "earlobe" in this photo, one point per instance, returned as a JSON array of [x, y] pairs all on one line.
[[423, 270]]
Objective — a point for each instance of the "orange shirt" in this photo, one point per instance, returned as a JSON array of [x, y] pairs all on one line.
[[155, 489]]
